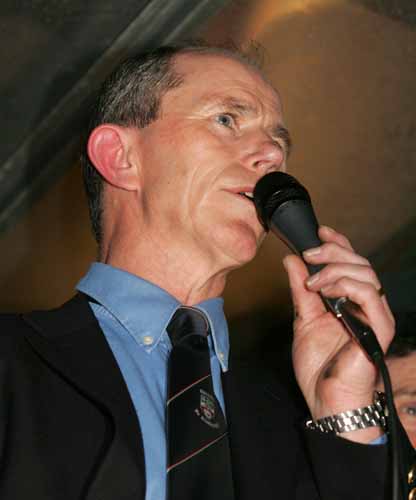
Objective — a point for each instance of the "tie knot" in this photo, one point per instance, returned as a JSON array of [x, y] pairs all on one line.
[[186, 322]]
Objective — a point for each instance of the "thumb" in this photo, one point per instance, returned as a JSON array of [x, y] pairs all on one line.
[[308, 305]]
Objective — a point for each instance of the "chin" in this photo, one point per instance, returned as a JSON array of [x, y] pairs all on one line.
[[241, 244]]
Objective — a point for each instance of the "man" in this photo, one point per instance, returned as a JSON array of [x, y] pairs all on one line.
[[401, 362], [179, 138]]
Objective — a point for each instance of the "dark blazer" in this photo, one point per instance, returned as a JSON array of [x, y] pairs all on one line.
[[68, 429]]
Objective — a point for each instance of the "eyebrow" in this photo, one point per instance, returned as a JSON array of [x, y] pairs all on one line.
[[232, 103], [405, 392], [245, 108], [284, 134]]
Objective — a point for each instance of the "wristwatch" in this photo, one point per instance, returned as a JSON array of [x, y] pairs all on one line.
[[351, 420]]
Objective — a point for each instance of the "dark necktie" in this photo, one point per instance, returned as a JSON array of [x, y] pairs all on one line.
[[199, 465]]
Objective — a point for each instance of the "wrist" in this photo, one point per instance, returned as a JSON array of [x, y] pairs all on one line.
[[340, 400], [363, 436], [363, 424]]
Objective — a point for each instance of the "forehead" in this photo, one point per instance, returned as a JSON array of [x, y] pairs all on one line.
[[206, 75], [403, 371]]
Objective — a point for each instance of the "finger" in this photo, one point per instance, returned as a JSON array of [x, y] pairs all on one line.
[[386, 304], [333, 272], [327, 234], [333, 252], [368, 298], [307, 304]]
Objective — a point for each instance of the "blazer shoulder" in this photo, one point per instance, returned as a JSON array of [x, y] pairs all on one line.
[[12, 330], [15, 328]]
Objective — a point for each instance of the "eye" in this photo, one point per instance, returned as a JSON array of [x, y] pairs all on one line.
[[410, 410], [226, 119], [407, 410], [279, 143]]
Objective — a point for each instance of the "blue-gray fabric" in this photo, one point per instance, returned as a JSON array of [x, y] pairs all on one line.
[[133, 315]]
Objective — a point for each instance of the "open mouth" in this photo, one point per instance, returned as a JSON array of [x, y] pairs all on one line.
[[247, 195]]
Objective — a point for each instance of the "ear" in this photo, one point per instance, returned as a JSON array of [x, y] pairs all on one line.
[[110, 149]]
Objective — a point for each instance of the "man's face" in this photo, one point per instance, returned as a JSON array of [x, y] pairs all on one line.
[[216, 135], [403, 377]]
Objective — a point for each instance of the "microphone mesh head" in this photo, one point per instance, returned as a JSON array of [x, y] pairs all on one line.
[[273, 190]]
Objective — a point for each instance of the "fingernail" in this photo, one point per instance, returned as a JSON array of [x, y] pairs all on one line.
[[284, 262], [312, 279], [329, 229], [312, 251]]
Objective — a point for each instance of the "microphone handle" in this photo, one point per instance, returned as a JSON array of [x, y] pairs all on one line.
[[295, 223]]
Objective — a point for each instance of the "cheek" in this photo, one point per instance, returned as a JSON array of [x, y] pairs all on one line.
[[407, 414], [190, 162], [205, 173], [412, 436], [199, 155]]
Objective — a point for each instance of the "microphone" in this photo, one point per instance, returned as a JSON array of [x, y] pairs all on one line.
[[284, 207]]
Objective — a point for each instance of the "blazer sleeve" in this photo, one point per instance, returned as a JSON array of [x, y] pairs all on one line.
[[345, 470], [8, 324]]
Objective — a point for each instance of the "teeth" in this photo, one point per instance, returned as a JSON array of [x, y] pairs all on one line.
[[246, 194]]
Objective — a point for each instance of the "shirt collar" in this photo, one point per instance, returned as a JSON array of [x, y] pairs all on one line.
[[145, 310]]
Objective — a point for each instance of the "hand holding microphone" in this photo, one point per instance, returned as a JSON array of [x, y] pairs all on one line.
[[285, 208], [332, 370]]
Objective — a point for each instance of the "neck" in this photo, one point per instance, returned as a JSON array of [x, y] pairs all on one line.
[[184, 273]]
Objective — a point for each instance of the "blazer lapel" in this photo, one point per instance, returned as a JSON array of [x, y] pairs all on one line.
[[71, 341]]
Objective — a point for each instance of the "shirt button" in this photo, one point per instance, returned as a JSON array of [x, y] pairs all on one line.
[[147, 340]]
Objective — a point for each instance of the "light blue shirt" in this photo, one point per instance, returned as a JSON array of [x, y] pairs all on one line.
[[133, 315]]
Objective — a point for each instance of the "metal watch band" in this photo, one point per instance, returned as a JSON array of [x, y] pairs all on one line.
[[369, 416]]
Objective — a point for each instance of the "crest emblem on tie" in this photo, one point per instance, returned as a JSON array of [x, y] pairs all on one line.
[[207, 409]]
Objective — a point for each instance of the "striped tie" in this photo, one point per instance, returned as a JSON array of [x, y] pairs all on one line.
[[198, 452]]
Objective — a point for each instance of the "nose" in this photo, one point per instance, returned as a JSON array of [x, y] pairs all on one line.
[[265, 154]]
